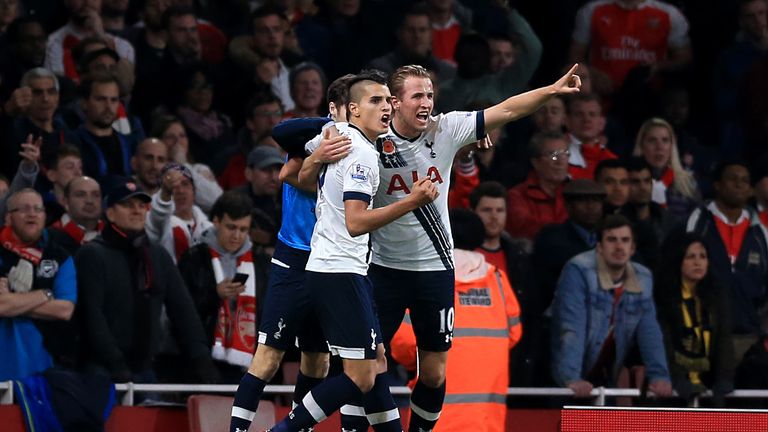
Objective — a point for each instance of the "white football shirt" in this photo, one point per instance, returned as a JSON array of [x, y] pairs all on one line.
[[421, 240], [333, 249]]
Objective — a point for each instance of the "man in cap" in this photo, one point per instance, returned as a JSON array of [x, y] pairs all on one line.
[[37, 292], [263, 175], [174, 221], [552, 248], [127, 280], [603, 310]]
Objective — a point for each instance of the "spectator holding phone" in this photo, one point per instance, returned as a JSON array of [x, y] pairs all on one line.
[[222, 277]]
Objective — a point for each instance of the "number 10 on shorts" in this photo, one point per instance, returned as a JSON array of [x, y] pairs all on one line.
[[446, 319]]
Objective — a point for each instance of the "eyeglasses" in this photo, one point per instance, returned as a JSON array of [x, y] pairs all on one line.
[[557, 154], [30, 209]]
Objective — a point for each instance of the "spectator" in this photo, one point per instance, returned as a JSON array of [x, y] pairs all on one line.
[[694, 316], [263, 187], [105, 60], [84, 20], [208, 270], [124, 283], [9, 11], [209, 130], [34, 105], [66, 166], [503, 52], [737, 247], [82, 221], [486, 327], [38, 292], [263, 112], [414, 46], [630, 34], [473, 80], [749, 45], [171, 131], [488, 201], [539, 201], [446, 27], [266, 70], [650, 220], [113, 16], [150, 157], [105, 152], [551, 117], [307, 82], [183, 42], [586, 124], [673, 187], [174, 221], [603, 309], [613, 175], [263, 233], [759, 175], [557, 243], [24, 50], [25, 176]]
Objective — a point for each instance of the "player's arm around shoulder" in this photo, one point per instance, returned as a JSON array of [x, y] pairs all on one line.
[[332, 148]]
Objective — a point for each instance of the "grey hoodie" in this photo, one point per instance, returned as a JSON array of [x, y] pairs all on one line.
[[228, 260]]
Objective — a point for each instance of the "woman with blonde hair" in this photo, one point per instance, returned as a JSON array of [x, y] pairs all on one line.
[[674, 187]]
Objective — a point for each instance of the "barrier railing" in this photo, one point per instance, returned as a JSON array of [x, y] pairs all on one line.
[[599, 393]]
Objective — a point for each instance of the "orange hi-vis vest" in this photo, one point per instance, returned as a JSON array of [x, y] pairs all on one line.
[[486, 325]]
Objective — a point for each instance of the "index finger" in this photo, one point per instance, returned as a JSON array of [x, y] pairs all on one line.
[[573, 69]]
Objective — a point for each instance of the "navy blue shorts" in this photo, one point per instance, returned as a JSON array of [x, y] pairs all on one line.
[[288, 312], [344, 303], [428, 295]]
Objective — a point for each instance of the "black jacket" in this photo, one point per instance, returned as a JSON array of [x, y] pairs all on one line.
[[747, 278], [121, 324]]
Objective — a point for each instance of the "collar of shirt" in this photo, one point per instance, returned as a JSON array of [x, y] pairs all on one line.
[[576, 158], [720, 215]]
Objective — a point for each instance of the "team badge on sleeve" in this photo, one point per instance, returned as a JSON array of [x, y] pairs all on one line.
[[361, 173]]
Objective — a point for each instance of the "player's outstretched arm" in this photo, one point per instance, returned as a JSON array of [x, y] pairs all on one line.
[[360, 220], [523, 104]]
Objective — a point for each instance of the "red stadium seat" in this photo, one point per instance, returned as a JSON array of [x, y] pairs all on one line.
[[211, 414]]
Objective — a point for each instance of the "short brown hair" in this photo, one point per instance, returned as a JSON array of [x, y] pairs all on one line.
[[613, 221], [397, 79]]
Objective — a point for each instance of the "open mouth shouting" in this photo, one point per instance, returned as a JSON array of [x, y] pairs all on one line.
[[385, 120], [422, 117]]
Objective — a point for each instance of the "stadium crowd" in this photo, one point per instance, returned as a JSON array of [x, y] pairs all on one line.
[[140, 177]]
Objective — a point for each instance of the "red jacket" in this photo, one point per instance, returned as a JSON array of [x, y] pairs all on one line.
[[593, 155], [529, 208]]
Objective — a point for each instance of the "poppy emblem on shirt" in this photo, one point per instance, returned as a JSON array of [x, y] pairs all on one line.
[[388, 147]]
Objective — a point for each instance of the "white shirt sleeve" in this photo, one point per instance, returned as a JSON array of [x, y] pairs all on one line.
[[360, 176], [678, 32], [463, 127], [54, 53], [583, 24]]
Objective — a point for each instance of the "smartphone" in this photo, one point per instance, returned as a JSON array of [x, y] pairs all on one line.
[[240, 278]]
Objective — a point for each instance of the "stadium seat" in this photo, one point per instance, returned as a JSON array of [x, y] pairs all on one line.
[[211, 414]]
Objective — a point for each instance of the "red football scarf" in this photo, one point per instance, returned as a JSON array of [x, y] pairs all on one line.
[[9, 241], [234, 338], [668, 177], [75, 231]]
